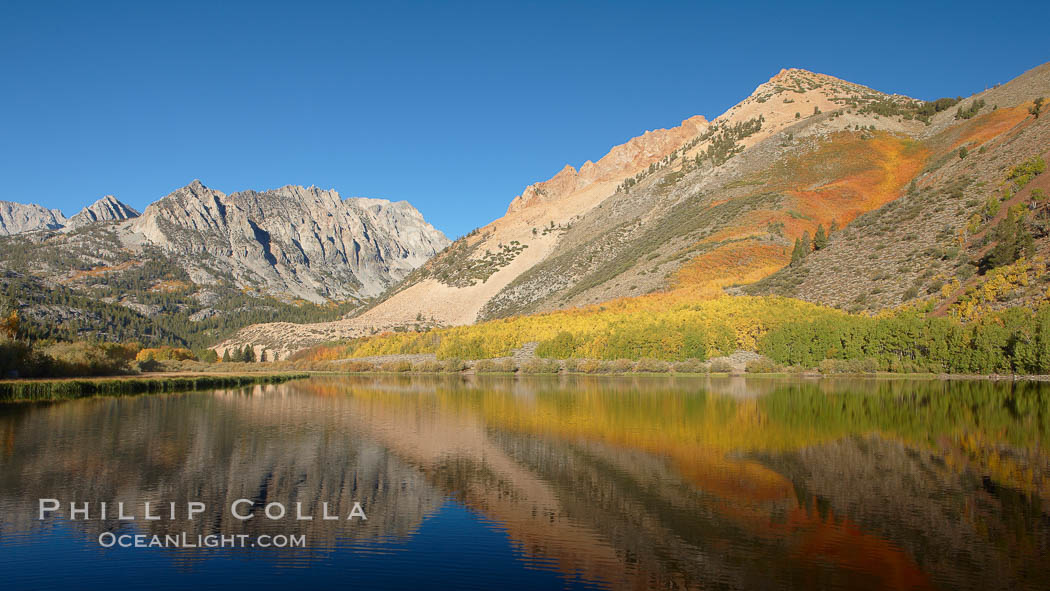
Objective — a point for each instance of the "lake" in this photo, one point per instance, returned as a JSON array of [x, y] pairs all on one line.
[[534, 483]]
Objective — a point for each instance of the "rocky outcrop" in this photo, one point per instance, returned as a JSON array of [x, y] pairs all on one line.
[[306, 242], [106, 209], [16, 218], [621, 161]]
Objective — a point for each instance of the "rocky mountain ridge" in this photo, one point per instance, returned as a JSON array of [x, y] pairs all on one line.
[[200, 261], [305, 242], [16, 218], [106, 209], [628, 158], [19, 218]]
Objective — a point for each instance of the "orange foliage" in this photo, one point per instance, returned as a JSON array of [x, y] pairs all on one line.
[[990, 125], [841, 179], [874, 172], [739, 262], [102, 270]]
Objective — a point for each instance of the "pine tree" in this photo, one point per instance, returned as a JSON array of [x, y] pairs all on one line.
[[820, 239], [801, 249], [262, 356], [226, 356], [1012, 241]]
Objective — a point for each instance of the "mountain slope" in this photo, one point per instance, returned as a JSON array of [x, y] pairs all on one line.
[[697, 207], [569, 246], [932, 242]]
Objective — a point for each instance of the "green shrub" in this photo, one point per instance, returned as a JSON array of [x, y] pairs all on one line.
[[761, 366], [690, 366], [562, 346], [495, 366], [454, 365], [721, 366], [17, 359], [88, 359], [967, 113], [849, 366], [1023, 173], [587, 366], [541, 366], [147, 365], [649, 365], [396, 366], [428, 367], [356, 366]]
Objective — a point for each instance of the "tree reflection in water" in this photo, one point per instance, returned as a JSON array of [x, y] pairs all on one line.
[[627, 483]]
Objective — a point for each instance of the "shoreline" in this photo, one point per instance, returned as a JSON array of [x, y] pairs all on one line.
[[55, 389], [716, 374], [45, 389]]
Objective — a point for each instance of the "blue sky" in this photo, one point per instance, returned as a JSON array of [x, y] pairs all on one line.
[[453, 106]]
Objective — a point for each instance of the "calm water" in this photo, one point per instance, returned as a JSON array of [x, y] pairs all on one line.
[[542, 483]]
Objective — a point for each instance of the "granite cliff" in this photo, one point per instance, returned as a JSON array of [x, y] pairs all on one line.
[[197, 262]]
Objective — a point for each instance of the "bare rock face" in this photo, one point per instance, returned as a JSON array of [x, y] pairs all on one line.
[[621, 161], [16, 218], [106, 209], [306, 242]]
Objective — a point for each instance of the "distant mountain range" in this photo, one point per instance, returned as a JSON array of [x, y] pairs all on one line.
[[198, 254], [811, 187], [18, 218]]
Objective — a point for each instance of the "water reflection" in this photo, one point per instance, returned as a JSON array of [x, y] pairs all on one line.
[[618, 483]]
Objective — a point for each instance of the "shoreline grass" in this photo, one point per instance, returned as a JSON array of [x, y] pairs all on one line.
[[72, 388], [809, 375]]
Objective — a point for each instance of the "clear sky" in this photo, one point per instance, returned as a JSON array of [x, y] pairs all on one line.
[[453, 106]]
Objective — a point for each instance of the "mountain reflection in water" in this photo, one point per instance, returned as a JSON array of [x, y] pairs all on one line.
[[604, 482]]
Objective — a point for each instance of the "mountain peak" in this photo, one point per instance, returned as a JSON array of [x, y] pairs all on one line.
[[798, 81], [785, 73], [106, 209], [16, 218]]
